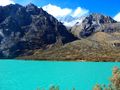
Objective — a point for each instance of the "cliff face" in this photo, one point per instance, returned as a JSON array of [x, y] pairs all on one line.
[[91, 24], [29, 28]]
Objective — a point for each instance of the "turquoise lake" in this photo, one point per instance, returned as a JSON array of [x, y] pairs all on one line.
[[30, 75]]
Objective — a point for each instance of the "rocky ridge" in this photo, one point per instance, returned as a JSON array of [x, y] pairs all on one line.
[[24, 28], [91, 24]]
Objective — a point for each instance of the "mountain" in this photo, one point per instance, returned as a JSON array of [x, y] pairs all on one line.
[[25, 28], [91, 24], [29, 32], [99, 40], [70, 21]]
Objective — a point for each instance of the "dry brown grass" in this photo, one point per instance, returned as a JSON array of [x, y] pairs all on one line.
[[81, 50]]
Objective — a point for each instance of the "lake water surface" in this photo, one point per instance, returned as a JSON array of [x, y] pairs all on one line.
[[30, 75]]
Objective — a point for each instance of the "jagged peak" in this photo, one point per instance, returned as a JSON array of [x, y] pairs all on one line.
[[13, 5], [31, 5], [97, 15], [101, 18]]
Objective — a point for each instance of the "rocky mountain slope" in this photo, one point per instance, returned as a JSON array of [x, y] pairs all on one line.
[[91, 24], [25, 28], [28, 32], [99, 40]]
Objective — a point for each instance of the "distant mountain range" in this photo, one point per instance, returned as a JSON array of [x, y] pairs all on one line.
[[29, 32], [70, 21]]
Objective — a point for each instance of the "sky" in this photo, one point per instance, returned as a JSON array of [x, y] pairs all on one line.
[[74, 7]]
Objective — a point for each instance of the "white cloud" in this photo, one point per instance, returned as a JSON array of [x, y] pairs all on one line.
[[117, 17], [79, 12], [6, 2], [57, 11]]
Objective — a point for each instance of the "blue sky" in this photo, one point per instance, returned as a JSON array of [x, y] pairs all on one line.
[[106, 7]]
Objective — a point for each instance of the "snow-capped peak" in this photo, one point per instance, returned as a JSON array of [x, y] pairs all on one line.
[[70, 21]]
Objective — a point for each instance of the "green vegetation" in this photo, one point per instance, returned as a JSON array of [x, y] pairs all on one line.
[[115, 81]]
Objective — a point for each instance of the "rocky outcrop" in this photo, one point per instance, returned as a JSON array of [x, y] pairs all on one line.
[[91, 24], [29, 28]]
